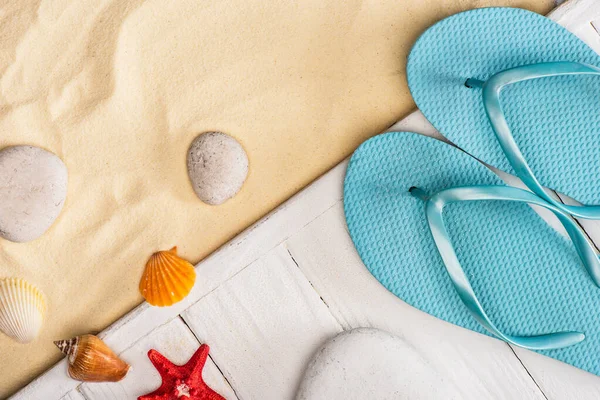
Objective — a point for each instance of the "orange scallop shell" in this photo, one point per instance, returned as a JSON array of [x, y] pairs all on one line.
[[167, 278]]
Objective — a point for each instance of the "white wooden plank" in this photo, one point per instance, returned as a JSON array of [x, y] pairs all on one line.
[[559, 380], [263, 326], [479, 366], [176, 342], [73, 395], [579, 16], [52, 384]]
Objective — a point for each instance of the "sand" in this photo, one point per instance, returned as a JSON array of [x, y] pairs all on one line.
[[118, 89]]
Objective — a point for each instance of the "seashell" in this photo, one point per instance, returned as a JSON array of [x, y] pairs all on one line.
[[91, 360], [22, 309], [167, 278]]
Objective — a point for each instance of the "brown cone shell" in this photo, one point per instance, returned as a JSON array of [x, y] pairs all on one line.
[[90, 360]]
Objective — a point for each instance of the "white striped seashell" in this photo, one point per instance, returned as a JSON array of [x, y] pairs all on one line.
[[22, 309]]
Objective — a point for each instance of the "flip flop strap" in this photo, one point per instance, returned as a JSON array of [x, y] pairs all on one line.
[[491, 101], [434, 210]]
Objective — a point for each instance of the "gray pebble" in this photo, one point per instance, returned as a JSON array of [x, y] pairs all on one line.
[[217, 166], [33, 188]]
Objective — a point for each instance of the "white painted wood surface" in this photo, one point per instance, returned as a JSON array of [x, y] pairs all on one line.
[[267, 300], [73, 395], [264, 325]]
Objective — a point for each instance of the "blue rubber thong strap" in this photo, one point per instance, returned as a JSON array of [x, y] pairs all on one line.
[[493, 108], [434, 209]]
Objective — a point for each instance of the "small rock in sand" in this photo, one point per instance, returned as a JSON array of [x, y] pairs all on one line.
[[217, 166], [33, 188]]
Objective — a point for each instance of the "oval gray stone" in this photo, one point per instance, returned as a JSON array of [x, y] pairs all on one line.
[[33, 188], [368, 363], [217, 166]]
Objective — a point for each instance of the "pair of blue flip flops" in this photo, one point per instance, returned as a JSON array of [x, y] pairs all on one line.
[[441, 231]]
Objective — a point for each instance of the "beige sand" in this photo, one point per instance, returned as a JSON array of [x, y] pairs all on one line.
[[118, 89]]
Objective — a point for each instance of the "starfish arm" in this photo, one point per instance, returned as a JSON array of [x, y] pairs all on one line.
[[160, 362], [198, 361], [166, 370]]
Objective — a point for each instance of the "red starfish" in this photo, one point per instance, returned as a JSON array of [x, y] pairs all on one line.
[[183, 381]]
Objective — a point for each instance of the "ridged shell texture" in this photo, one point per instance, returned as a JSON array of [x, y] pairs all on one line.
[[22, 309], [167, 279], [91, 360]]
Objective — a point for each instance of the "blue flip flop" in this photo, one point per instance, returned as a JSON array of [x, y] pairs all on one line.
[[519, 92], [443, 233]]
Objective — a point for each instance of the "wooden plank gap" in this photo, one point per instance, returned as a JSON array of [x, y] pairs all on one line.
[[189, 329], [311, 284], [209, 356], [587, 235], [526, 370], [224, 377], [593, 24], [75, 394], [578, 222], [79, 391], [250, 322]]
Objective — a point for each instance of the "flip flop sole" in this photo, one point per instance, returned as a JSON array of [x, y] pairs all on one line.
[[527, 276], [555, 121]]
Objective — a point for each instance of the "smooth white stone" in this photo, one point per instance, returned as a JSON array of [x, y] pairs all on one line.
[[368, 363], [217, 166], [33, 188]]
